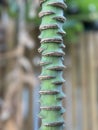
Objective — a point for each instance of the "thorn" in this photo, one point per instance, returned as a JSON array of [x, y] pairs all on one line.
[[46, 77], [45, 13], [49, 92], [57, 54], [58, 4], [59, 18], [55, 40], [52, 108], [54, 124], [51, 26]]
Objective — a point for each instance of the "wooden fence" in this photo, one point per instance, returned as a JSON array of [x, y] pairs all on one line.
[[82, 84]]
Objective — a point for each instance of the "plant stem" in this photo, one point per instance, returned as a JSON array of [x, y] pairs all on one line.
[[51, 36]]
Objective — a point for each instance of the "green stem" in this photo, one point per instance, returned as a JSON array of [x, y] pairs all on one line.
[[51, 36]]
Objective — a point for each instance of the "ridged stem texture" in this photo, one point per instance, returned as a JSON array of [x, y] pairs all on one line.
[[51, 37]]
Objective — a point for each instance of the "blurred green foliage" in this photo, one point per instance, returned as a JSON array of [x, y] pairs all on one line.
[[84, 6], [78, 12], [73, 28]]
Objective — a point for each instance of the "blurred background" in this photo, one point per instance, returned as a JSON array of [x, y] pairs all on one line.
[[19, 65]]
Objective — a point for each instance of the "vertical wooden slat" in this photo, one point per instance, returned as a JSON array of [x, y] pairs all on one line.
[[96, 72], [68, 91], [92, 81], [83, 80], [74, 85]]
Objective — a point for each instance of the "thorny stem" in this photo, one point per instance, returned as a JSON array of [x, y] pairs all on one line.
[[51, 95]]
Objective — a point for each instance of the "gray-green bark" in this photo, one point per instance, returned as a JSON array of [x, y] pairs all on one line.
[[51, 36]]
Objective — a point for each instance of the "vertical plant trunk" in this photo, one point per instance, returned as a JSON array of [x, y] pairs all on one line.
[[51, 36]]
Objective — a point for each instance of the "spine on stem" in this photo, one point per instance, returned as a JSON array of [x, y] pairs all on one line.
[[51, 38]]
